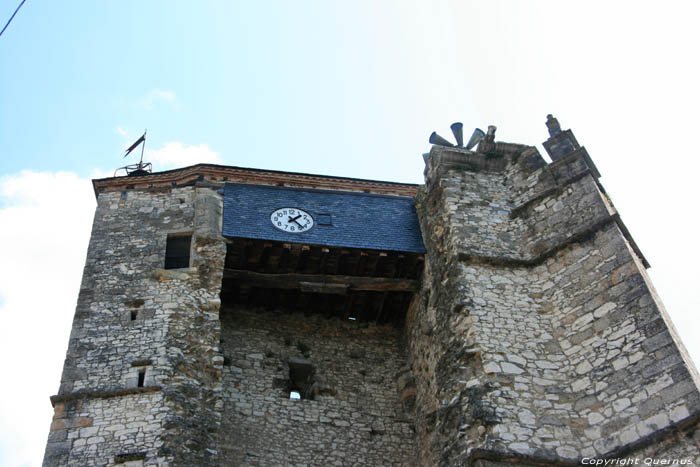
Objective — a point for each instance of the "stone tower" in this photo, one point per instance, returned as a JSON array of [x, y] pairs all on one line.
[[498, 315]]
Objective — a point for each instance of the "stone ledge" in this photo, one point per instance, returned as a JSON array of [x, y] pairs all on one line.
[[545, 255], [443, 159], [181, 274], [101, 394], [572, 156], [657, 436], [542, 257], [572, 168], [513, 458], [518, 210], [623, 451]]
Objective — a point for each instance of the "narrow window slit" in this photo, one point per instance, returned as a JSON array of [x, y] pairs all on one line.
[[142, 378], [134, 315]]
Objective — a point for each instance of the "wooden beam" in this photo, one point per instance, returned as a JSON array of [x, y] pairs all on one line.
[[320, 287], [293, 281], [381, 308]]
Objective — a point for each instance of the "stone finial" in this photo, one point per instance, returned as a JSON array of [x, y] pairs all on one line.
[[491, 133], [553, 125], [560, 143], [487, 144]]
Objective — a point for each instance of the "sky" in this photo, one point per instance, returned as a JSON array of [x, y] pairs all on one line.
[[351, 88]]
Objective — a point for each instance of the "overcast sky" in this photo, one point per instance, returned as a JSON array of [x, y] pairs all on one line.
[[338, 88]]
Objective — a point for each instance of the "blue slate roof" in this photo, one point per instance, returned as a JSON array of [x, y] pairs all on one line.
[[358, 220]]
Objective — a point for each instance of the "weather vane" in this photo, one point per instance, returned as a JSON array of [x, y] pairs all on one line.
[[141, 168]]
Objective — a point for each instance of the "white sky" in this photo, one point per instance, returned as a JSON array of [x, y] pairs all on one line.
[[353, 89]]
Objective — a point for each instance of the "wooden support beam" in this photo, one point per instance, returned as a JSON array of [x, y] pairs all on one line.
[[381, 308], [294, 257], [320, 287], [293, 281], [256, 251], [371, 263], [273, 258]]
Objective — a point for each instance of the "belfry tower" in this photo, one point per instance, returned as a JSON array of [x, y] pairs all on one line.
[[500, 314]]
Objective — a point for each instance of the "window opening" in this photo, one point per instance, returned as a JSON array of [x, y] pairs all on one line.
[[177, 251], [301, 378], [142, 378], [134, 315], [132, 459]]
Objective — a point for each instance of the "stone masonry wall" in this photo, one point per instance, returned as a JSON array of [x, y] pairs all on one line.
[[356, 416], [536, 339], [536, 336], [132, 316], [99, 430]]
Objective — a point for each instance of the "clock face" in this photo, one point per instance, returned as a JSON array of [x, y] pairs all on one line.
[[292, 220]]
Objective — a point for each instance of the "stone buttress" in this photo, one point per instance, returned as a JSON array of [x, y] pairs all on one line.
[[537, 337]]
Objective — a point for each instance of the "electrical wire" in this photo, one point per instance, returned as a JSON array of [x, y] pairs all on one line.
[[11, 17]]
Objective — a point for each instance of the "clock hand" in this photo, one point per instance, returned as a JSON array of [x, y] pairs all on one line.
[[295, 220]]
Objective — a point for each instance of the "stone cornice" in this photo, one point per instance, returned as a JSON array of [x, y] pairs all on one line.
[[627, 450], [188, 176], [101, 394], [536, 260]]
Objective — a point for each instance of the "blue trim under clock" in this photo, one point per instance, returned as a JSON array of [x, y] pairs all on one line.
[[357, 220]]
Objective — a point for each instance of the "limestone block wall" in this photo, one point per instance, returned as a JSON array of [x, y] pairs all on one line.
[[109, 431], [536, 336], [536, 339], [356, 416], [132, 316]]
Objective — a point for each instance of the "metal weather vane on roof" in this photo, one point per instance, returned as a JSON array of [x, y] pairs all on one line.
[[136, 169]]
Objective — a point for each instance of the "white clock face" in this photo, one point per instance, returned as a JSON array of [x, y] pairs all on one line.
[[292, 220]]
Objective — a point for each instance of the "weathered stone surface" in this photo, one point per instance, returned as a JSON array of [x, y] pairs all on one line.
[[535, 338], [133, 316], [352, 403], [551, 279]]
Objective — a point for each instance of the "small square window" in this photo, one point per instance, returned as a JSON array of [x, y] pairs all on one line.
[[301, 379], [177, 252], [324, 219]]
